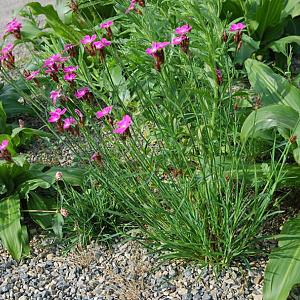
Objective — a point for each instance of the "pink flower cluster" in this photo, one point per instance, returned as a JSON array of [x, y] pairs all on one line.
[[182, 38], [122, 126], [70, 74], [91, 45], [156, 49]]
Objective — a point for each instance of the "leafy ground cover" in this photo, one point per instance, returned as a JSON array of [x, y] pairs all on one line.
[[183, 118]]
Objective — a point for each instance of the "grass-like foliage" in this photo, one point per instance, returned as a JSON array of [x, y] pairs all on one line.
[[174, 165]]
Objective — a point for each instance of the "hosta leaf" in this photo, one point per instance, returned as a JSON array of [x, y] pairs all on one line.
[[273, 116], [58, 222], [30, 185], [272, 87], [281, 44], [55, 22], [296, 154], [11, 233], [42, 203], [248, 48], [265, 18], [283, 269]]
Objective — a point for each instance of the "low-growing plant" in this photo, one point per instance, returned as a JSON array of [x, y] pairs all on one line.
[[22, 192]]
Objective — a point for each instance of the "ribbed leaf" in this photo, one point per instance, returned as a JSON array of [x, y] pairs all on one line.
[[273, 116], [273, 88], [265, 18], [283, 269], [55, 22], [281, 44], [11, 233]]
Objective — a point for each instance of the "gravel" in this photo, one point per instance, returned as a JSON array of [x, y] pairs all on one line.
[[125, 270]]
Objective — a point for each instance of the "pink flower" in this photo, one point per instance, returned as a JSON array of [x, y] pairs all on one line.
[[53, 60], [81, 92], [105, 111], [79, 113], [101, 44], [88, 39], [7, 49], [54, 95], [13, 26], [183, 29], [179, 39], [70, 77], [56, 115], [106, 24], [155, 47], [105, 42], [32, 75], [123, 125], [68, 47], [4, 145], [70, 69], [68, 122], [237, 27], [131, 6]]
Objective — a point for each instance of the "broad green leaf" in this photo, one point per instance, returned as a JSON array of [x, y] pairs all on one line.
[[265, 18], [293, 8], [42, 203], [248, 48], [58, 222], [72, 176], [30, 185], [9, 98], [53, 20], [21, 136], [296, 153], [273, 88], [10, 227], [272, 116], [281, 44], [283, 269]]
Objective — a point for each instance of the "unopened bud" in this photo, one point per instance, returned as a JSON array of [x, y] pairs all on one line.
[[64, 212], [58, 176], [21, 123]]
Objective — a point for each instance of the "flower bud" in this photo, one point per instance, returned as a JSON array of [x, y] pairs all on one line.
[[58, 176], [64, 212]]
